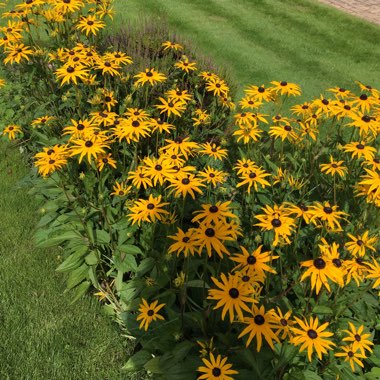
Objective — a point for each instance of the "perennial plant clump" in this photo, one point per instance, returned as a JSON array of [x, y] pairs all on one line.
[[229, 239]]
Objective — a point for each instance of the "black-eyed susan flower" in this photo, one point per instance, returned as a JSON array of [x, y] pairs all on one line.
[[352, 356], [2, 82], [104, 117], [323, 214], [360, 149], [72, 73], [358, 338], [120, 189], [261, 324], [217, 86], [312, 337], [105, 160], [254, 178], [302, 109], [88, 147], [170, 107], [248, 133], [181, 146], [11, 131], [308, 130], [214, 151], [206, 347], [17, 52], [334, 167], [183, 242], [320, 271], [364, 102], [340, 92], [250, 102], [283, 132], [157, 170], [244, 166], [372, 182], [149, 313], [374, 273], [276, 219], [185, 65], [201, 117], [216, 369], [213, 176], [364, 123], [284, 324], [286, 88], [147, 210], [43, 120], [160, 125], [356, 269], [150, 76], [118, 57], [232, 295], [212, 237], [51, 159], [254, 262], [139, 179], [90, 24], [178, 95], [260, 93], [108, 67], [374, 164], [67, 6], [169, 45], [79, 129], [185, 184], [299, 211], [359, 244], [214, 213], [131, 130]]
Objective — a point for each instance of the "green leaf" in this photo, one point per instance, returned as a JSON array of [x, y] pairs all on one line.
[[137, 361], [77, 276], [47, 242], [197, 284], [92, 258], [321, 309], [73, 261], [125, 263], [153, 365], [80, 291], [102, 237], [130, 249]]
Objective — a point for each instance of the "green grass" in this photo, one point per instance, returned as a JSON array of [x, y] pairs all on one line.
[[42, 336], [298, 41]]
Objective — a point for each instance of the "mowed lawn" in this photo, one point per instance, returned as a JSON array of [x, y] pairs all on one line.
[[42, 336], [298, 41]]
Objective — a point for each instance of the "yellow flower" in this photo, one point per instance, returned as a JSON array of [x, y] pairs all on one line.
[[358, 338], [69, 73], [147, 210], [334, 167], [171, 107], [214, 151], [233, 295], [17, 52], [169, 45], [185, 65], [358, 244], [149, 313], [90, 24], [285, 88], [184, 242], [313, 337], [352, 356], [327, 215], [260, 324], [150, 76], [360, 149], [216, 369], [11, 131]]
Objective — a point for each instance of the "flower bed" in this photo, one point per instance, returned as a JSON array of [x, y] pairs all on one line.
[[229, 240]]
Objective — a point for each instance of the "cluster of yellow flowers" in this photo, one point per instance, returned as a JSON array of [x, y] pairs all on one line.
[[256, 211]]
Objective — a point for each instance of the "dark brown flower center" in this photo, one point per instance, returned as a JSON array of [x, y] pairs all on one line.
[[234, 293], [251, 260], [51, 162], [88, 144], [360, 146], [70, 69], [288, 128], [312, 334], [150, 313], [359, 242], [366, 118], [135, 124], [363, 97], [158, 167], [357, 337], [327, 210], [325, 102], [185, 181], [259, 319], [283, 322], [252, 175], [283, 83], [213, 209], [319, 263], [210, 232], [276, 223], [337, 262], [80, 127], [185, 239], [150, 206], [350, 354], [216, 372], [261, 89]]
